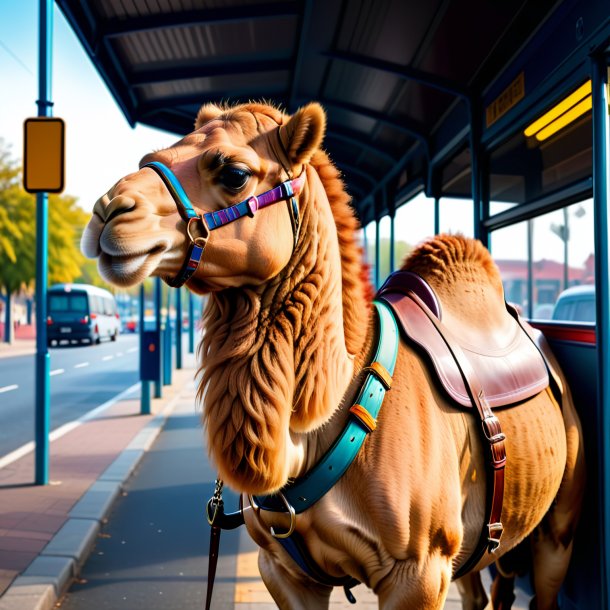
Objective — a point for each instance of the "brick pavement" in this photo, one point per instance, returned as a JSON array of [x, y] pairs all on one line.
[[31, 515]]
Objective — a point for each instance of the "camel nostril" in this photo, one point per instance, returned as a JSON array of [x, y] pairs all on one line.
[[117, 212], [107, 208]]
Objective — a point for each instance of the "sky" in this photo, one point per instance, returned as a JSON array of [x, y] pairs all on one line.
[[101, 146]]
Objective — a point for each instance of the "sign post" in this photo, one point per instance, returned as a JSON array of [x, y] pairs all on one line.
[[43, 171]]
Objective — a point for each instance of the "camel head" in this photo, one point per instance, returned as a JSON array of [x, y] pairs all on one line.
[[136, 229]]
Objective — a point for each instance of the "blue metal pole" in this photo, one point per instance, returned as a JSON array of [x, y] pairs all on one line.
[[475, 167], [158, 381], [191, 324], [179, 328], [43, 360], [167, 344], [377, 255], [145, 384], [601, 199], [437, 216], [392, 242]]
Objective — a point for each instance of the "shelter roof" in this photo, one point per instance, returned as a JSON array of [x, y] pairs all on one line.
[[400, 80]]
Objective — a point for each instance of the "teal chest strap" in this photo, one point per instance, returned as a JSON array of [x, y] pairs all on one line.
[[305, 491]]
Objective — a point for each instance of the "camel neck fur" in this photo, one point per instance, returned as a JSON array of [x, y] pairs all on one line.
[[277, 360]]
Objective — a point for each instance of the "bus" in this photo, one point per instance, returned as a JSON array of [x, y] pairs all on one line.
[[81, 313]]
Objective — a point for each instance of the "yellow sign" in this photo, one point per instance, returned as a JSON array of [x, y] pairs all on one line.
[[43, 155], [513, 94]]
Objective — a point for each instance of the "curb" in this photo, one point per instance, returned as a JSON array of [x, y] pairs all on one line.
[[48, 577]]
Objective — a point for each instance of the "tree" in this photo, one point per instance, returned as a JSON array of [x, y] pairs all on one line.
[[18, 236]]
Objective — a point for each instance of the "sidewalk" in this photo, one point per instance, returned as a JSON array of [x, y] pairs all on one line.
[[46, 532], [19, 347]]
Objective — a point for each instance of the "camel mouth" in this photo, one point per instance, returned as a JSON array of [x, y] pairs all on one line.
[[130, 269]]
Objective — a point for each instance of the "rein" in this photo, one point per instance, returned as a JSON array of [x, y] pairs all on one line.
[[210, 221]]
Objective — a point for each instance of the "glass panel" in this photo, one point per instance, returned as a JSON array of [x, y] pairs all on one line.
[[526, 168], [384, 248], [456, 216], [509, 250], [414, 222], [563, 264], [495, 207], [563, 257]]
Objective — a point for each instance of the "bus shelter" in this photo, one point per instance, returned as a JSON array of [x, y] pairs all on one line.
[[497, 110]]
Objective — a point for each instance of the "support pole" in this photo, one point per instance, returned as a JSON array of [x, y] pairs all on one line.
[[178, 328], [601, 198], [191, 323], [167, 344], [377, 255], [392, 242], [437, 216], [475, 167], [145, 384], [43, 360], [159, 381]]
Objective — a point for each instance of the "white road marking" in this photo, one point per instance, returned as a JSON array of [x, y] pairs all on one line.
[[59, 432], [57, 372], [106, 358], [8, 388], [80, 365], [119, 354], [132, 349]]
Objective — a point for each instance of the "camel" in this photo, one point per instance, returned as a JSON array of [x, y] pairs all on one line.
[[290, 330]]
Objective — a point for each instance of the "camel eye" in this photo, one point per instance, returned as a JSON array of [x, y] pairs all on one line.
[[233, 178]]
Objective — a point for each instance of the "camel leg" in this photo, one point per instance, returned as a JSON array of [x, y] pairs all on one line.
[[291, 590], [472, 592], [416, 586], [552, 541], [503, 592]]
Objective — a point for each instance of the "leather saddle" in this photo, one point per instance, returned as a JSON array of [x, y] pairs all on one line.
[[474, 375], [508, 374]]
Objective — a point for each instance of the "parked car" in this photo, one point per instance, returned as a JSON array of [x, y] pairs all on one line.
[[576, 304], [80, 312]]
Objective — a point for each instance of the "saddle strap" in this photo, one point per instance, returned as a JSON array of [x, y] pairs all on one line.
[[493, 438]]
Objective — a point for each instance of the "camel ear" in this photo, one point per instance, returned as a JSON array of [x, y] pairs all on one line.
[[303, 133], [206, 113]]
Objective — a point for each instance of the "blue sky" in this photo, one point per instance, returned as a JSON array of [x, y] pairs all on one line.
[[100, 145]]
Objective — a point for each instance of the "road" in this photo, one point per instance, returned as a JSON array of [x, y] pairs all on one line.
[[82, 378]]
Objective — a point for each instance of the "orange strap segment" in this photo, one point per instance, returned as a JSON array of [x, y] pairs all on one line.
[[370, 423], [381, 373]]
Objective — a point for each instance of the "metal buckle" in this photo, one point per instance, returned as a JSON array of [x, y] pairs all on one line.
[[487, 431], [289, 508], [493, 543], [198, 241], [293, 519], [252, 205]]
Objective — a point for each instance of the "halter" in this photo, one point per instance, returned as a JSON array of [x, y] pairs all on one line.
[[210, 221]]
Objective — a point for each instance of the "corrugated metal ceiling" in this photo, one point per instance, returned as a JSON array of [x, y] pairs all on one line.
[[389, 72]]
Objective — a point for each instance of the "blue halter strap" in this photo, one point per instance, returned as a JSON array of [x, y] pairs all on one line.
[[210, 221], [305, 491]]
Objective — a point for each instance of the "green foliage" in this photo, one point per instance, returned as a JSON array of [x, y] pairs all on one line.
[[18, 233]]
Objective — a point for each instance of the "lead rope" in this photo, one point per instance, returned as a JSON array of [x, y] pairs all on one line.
[[217, 504]]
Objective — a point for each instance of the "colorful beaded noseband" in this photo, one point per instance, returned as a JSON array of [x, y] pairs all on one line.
[[209, 221]]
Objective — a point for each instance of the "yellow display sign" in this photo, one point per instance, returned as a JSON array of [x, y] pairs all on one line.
[[509, 98], [43, 155]]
